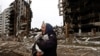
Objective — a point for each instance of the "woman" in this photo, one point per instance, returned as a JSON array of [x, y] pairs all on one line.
[[47, 43]]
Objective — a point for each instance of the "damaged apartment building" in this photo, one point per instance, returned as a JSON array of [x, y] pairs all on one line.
[[80, 16], [4, 21], [19, 18]]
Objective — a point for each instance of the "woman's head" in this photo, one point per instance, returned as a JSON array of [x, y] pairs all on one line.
[[46, 28]]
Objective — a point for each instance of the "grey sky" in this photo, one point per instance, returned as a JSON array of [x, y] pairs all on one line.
[[43, 10]]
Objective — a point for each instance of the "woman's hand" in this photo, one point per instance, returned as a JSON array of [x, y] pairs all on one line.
[[39, 53]]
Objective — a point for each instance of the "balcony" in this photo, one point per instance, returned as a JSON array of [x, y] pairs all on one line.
[[96, 23], [60, 6], [23, 24]]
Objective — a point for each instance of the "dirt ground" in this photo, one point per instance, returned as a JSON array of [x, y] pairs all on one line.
[[64, 50], [13, 48]]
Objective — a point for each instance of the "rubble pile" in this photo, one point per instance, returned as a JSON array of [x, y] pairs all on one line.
[[70, 50], [12, 48], [23, 48]]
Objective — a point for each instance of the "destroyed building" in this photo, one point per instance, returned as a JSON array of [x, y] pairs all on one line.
[[19, 18], [80, 16], [81, 20]]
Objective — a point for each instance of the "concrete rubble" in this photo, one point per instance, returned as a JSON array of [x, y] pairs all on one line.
[[14, 48], [23, 48]]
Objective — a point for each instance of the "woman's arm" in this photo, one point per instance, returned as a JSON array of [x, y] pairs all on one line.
[[50, 43]]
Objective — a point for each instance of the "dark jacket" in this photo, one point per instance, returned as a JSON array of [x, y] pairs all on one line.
[[49, 46]]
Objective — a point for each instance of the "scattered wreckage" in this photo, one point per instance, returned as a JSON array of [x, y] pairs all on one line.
[[87, 39]]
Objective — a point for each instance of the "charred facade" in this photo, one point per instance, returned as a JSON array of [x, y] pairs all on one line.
[[20, 18], [80, 15]]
